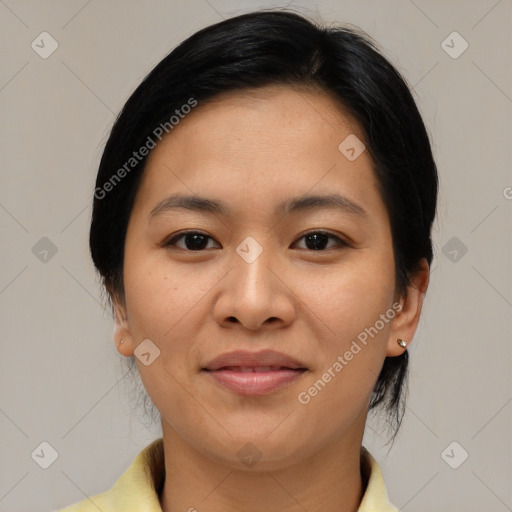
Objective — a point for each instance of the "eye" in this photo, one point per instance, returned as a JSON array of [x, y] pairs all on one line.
[[197, 241], [317, 240], [193, 241]]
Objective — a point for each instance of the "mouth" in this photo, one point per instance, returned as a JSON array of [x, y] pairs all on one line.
[[268, 360], [253, 374], [256, 369], [256, 380]]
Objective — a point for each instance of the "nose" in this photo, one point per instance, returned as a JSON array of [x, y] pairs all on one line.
[[255, 295]]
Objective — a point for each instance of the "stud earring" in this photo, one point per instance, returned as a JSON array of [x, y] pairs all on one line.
[[122, 341], [401, 342]]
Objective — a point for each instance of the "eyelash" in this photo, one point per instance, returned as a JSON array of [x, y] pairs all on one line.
[[170, 242]]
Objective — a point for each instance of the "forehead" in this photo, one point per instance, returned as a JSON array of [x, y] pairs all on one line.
[[285, 104], [274, 138], [276, 117]]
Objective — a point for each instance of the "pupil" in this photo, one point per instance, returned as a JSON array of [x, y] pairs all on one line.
[[319, 241], [198, 242]]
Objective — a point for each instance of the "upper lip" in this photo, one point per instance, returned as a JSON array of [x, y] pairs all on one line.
[[244, 358]]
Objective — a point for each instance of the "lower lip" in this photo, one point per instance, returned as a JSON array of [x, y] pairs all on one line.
[[255, 383]]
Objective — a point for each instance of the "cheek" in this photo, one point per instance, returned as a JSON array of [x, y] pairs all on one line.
[[163, 304], [351, 349], [353, 313], [351, 297], [161, 297]]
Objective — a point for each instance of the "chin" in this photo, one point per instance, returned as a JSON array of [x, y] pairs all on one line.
[[259, 452]]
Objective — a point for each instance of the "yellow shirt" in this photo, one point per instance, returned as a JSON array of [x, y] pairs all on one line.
[[138, 488]]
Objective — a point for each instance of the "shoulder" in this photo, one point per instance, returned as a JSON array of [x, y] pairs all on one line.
[[375, 497], [92, 504], [136, 489]]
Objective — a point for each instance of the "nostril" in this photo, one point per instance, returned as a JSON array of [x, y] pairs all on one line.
[[232, 319]]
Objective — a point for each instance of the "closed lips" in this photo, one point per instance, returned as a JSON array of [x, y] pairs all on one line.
[[262, 361], [257, 369], [253, 374]]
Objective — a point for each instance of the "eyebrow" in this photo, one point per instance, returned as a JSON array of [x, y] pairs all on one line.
[[295, 204]]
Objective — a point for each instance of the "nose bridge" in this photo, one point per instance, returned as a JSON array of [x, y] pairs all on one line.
[[253, 292], [253, 274]]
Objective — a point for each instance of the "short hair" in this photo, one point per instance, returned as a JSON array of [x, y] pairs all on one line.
[[278, 47]]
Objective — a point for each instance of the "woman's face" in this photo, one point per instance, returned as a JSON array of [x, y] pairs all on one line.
[[247, 278]]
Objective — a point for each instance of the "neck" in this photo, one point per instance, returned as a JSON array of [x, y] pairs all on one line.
[[329, 480]]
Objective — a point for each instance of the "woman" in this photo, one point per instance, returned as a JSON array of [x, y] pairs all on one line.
[[261, 222]]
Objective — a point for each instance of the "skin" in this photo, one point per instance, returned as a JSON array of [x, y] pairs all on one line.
[[252, 150]]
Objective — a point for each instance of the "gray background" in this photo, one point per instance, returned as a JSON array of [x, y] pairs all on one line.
[[61, 378]]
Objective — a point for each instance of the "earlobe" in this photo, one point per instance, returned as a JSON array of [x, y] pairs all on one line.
[[406, 321], [122, 335], [396, 347]]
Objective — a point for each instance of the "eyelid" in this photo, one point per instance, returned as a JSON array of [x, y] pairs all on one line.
[[171, 240], [340, 241]]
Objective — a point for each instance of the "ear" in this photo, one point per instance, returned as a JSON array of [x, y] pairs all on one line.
[[122, 335], [406, 320]]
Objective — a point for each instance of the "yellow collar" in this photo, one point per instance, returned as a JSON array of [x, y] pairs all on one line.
[[138, 488]]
